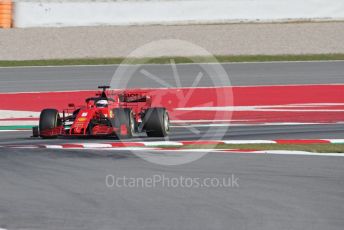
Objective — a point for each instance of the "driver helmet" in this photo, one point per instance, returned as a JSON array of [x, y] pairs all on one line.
[[102, 104]]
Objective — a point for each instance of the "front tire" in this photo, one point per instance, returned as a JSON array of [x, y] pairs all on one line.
[[157, 122], [49, 119], [125, 122]]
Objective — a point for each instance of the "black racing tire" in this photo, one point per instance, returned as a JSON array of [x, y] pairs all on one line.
[[49, 119], [157, 122], [124, 116]]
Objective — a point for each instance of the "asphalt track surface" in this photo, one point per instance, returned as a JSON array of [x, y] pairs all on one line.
[[240, 74], [66, 189], [46, 189]]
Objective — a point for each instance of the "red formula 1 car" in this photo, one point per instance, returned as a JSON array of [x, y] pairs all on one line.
[[118, 114]]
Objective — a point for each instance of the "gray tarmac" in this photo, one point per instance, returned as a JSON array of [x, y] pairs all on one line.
[[54, 189], [28, 79]]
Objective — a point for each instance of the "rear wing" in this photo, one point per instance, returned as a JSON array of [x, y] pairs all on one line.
[[133, 97]]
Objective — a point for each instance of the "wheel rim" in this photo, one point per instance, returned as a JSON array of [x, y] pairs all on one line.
[[166, 123], [132, 123]]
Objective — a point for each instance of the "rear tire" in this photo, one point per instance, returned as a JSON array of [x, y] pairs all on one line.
[[124, 117], [49, 119], [157, 122]]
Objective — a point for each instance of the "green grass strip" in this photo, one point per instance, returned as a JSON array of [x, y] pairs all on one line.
[[179, 60], [16, 127]]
